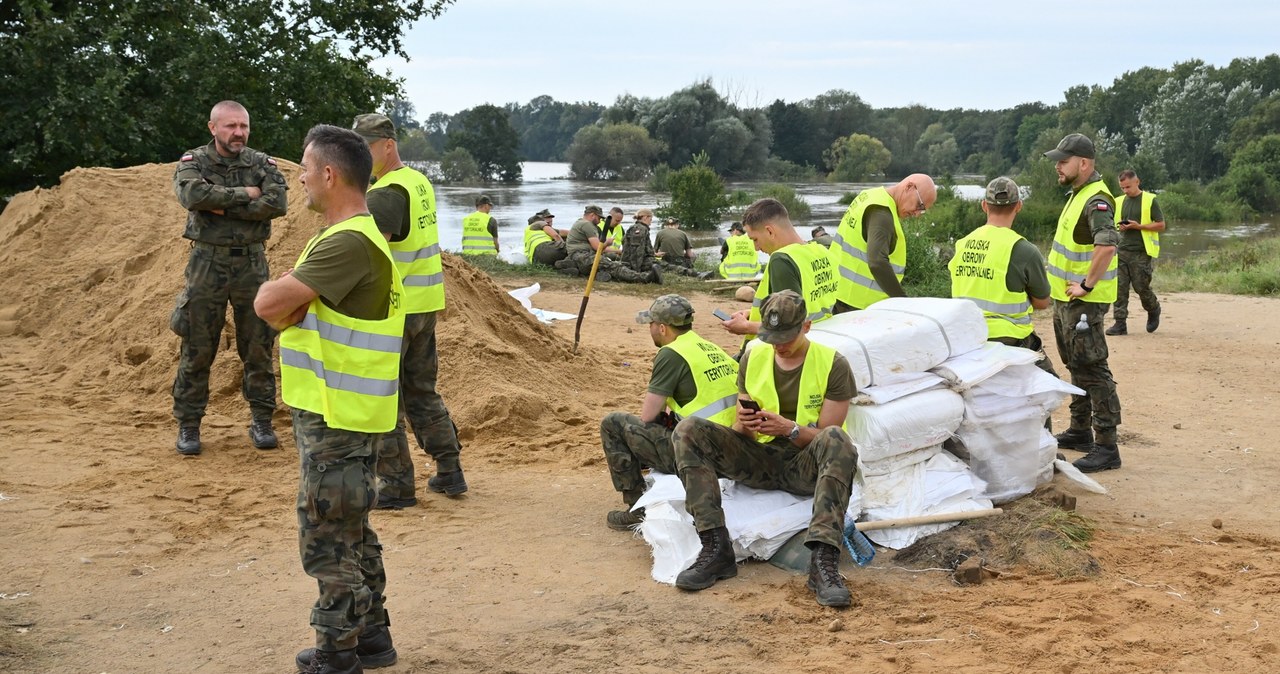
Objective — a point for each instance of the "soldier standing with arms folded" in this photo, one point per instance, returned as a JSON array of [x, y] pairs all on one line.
[[1082, 282], [231, 193], [1140, 221], [869, 244], [339, 310], [480, 230], [691, 377], [403, 205]]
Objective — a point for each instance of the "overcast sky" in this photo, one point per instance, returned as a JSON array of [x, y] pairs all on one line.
[[986, 55]]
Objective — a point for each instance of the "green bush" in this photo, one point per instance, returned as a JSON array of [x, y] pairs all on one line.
[[658, 181], [785, 171], [797, 207], [926, 274], [698, 200], [458, 166], [847, 198], [1239, 268], [1187, 200]]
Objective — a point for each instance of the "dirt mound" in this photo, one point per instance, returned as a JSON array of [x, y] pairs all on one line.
[[96, 262]]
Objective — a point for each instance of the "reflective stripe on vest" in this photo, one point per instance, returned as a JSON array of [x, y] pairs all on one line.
[[979, 273], [742, 260], [534, 238], [1069, 261], [716, 376], [813, 382], [418, 256], [858, 287], [1150, 240], [476, 239], [345, 369]]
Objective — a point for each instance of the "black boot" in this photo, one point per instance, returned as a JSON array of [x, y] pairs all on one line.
[[624, 520], [824, 576], [262, 434], [1100, 457], [655, 274], [330, 662], [1118, 328], [1153, 320], [449, 484], [1073, 438], [373, 650], [188, 440], [715, 561]]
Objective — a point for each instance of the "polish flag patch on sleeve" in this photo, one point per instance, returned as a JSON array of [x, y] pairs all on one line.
[[1103, 207], [187, 157]]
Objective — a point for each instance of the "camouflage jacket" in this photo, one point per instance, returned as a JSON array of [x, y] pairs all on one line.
[[206, 182], [637, 249]]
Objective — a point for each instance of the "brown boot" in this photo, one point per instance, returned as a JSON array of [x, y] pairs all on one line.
[[824, 576], [715, 562]]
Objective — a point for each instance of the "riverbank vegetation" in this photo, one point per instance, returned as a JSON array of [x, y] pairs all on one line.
[[1235, 268]]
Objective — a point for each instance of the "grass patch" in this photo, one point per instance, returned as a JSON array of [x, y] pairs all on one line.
[[1237, 268], [510, 275]]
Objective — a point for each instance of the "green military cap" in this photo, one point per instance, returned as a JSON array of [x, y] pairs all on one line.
[[593, 209], [1074, 145], [483, 200], [533, 219], [1002, 191], [374, 126], [781, 317], [672, 310], [544, 213]]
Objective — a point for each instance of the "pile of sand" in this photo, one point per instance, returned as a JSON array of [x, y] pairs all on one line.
[[96, 262]]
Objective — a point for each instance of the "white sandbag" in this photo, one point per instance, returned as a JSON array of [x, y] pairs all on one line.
[[913, 422], [893, 464], [940, 485], [1012, 458], [902, 334], [1030, 383], [894, 386], [974, 367], [1072, 473]]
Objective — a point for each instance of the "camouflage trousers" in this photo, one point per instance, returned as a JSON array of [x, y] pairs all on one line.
[[1085, 355], [645, 264], [824, 469], [421, 408], [1135, 268], [549, 253], [214, 278], [631, 445], [336, 491], [620, 272]]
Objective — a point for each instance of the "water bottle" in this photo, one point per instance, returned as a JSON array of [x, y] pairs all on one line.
[[1083, 325]]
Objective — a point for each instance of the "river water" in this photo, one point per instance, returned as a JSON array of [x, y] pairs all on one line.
[[546, 185]]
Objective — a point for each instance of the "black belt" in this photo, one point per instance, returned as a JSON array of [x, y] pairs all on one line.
[[234, 251]]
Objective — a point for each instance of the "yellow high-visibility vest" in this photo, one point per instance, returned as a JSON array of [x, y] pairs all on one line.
[[858, 288], [818, 280], [476, 239], [345, 369], [1150, 240], [1069, 261], [715, 374], [418, 256], [742, 261], [978, 274], [532, 239], [813, 382]]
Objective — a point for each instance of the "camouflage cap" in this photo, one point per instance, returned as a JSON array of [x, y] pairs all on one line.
[[374, 126], [1074, 145], [670, 221], [483, 200], [593, 209], [672, 310], [1002, 191], [781, 317], [544, 213]]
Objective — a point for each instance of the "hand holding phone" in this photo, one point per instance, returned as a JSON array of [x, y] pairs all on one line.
[[749, 404], [720, 314]]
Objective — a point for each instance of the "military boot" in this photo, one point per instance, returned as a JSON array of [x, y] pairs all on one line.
[[603, 276], [715, 561], [449, 484], [655, 274], [1153, 320], [262, 434], [330, 662], [824, 576], [373, 650], [624, 520], [1074, 438], [188, 440], [388, 502], [1100, 457], [1118, 328]]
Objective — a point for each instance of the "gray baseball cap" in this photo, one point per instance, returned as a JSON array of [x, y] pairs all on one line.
[[672, 310], [1074, 145], [1002, 191]]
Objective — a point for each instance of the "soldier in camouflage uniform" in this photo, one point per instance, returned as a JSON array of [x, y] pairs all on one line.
[[346, 275], [637, 248], [794, 442], [682, 378], [231, 193], [582, 242]]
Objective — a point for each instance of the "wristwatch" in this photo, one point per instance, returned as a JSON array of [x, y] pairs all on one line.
[[794, 434]]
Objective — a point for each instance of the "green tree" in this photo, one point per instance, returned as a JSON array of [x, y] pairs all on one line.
[[939, 145], [401, 113], [616, 151], [856, 158], [122, 82], [1254, 175], [486, 134], [1187, 124], [414, 146], [698, 200], [458, 166]]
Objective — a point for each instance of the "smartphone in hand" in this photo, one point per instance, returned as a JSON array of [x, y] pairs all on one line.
[[750, 404], [720, 314]]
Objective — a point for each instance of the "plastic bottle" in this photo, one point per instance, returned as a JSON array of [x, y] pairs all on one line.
[[1083, 325]]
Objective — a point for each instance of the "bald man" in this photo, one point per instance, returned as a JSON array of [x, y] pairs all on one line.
[[869, 245], [231, 193]]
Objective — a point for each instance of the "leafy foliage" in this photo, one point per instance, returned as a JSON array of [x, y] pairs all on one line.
[[698, 200], [486, 134], [856, 158], [458, 166], [614, 151], [796, 206]]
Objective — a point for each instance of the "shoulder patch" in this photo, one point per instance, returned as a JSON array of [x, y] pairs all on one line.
[[271, 161], [187, 157], [1101, 206]]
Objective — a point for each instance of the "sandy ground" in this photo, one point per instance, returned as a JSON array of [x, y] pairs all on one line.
[[121, 556]]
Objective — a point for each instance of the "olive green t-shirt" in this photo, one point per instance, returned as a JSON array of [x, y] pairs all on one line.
[[351, 275], [389, 207], [1131, 239], [1026, 270], [784, 274], [840, 384], [672, 243], [1097, 224], [672, 377], [882, 236], [580, 236]]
